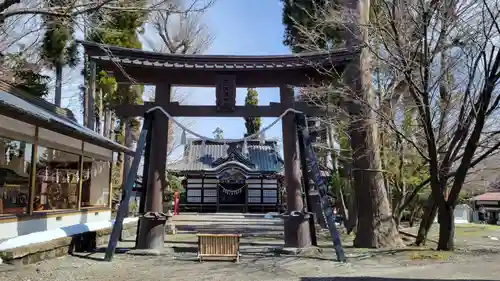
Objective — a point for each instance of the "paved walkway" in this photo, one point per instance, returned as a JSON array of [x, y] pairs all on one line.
[[258, 263]]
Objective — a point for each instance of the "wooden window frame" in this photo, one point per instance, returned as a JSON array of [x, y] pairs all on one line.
[[30, 214]]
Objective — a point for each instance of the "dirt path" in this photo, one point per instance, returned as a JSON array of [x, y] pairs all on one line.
[[259, 261]]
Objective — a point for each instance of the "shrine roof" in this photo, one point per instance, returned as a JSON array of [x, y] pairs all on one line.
[[261, 156], [488, 196], [17, 104], [109, 53]]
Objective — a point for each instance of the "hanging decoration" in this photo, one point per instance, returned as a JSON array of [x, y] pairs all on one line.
[[244, 149], [249, 137], [71, 175], [183, 138], [232, 191]]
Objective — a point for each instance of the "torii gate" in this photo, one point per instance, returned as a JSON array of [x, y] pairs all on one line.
[[226, 73]]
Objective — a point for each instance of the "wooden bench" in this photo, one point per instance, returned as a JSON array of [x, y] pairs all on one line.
[[219, 245]]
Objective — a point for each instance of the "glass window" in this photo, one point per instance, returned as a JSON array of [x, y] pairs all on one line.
[[96, 180], [15, 158], [56, 184]]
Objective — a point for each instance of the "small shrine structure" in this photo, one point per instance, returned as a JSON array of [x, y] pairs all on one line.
[[242, 177]]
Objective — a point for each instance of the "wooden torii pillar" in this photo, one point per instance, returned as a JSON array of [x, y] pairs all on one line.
[[296, 232], [151, 232]]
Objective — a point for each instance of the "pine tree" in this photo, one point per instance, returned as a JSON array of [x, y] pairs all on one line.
[[58, 48], [301, 13], [27, 76], [252, 124], [119, 28]]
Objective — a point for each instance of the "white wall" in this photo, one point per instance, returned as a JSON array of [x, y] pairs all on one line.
[[13, 229]]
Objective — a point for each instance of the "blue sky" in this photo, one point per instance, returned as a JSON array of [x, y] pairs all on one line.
[[243, 27], [239, 27]]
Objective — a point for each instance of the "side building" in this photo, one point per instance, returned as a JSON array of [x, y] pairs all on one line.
[[231, 177], [54, 173]]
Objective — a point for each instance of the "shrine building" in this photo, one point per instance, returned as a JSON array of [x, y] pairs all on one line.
[[239, 177], [55, 174]]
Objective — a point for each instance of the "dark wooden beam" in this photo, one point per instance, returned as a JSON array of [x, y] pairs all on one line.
[[174, 109], [256, 78], [151, 233], [296, 231]]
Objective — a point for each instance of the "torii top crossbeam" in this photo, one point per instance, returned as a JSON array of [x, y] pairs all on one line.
[[202, 70], [226, 73]]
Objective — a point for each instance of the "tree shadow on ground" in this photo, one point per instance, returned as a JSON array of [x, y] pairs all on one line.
[[248, 255], [190, 215], [184, 249], [90, 255], [372, 279], [225, 228], [262, 244]]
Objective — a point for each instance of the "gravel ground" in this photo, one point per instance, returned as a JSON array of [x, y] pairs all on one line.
[[258, 263]]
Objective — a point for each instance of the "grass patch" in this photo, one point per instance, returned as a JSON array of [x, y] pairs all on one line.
[[475, 229], [477, 226], [429, 255]]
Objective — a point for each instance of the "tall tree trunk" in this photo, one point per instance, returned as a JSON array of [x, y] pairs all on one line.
[[121, 140], [413, 214], [376, 227], [100, 114], [446, 228], [58, 89], [112, 126], [332, 155], [352, 221], [428, 216], [343, 208], [129, 142], [107, 123], [397, 218], [86, 91]]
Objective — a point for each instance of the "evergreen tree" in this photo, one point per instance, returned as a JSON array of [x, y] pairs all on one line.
[[58, 48], [252, 124], [303, 13], [119, 28], [27, 76]]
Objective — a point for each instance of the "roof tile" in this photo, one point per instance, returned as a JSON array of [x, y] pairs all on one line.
[[47, 112], [488, 196], [140, 57], [264, 156]]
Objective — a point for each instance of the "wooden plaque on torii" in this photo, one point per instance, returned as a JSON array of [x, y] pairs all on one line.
[[225, 93]]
